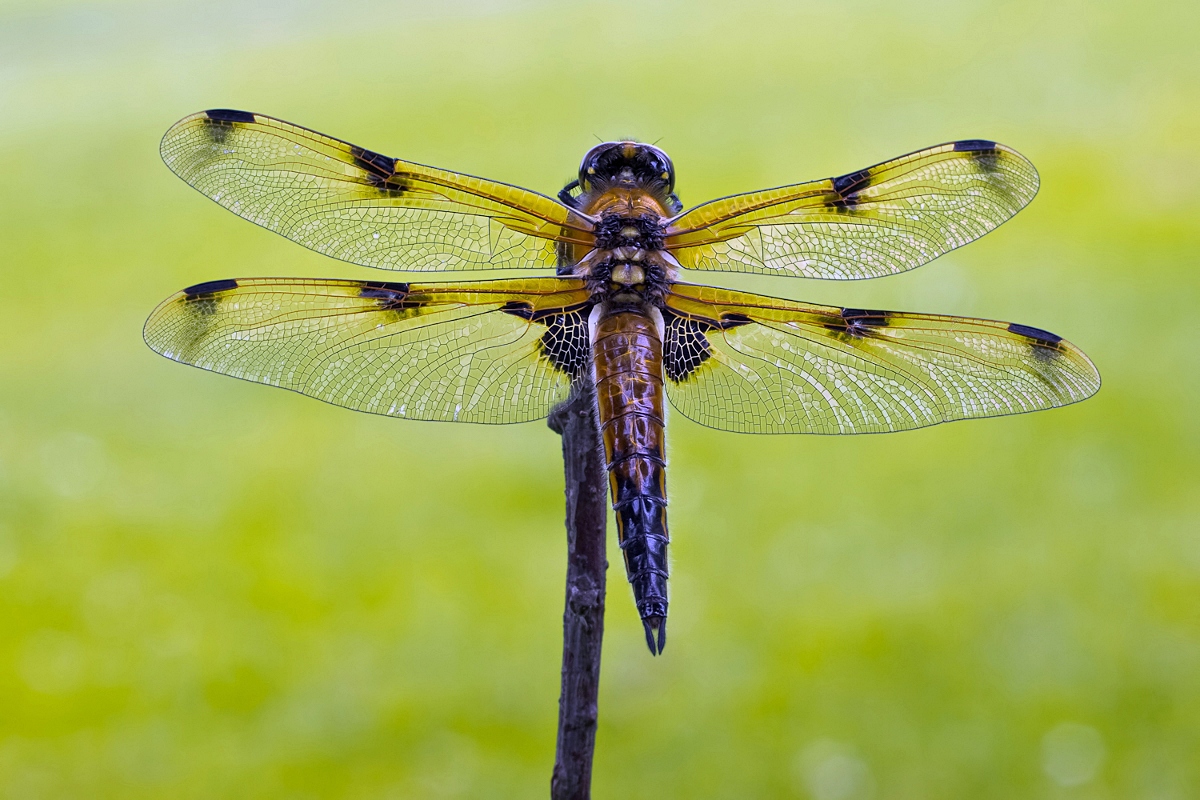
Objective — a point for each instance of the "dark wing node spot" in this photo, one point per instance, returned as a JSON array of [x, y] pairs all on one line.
[[381, 171], [863, 316], [858, 322], [566, 343], [1039, 336], [686, 347], [846, 189], [377, 164], [208, 288], [734, 320], [229, 115], [390, 296], [852, 182]]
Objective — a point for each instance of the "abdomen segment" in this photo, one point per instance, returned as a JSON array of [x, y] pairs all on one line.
[[629, 392]]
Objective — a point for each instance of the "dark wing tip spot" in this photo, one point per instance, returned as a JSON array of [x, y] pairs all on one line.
[[229, 115], [210, 287], [975, 146], [1039, 336]]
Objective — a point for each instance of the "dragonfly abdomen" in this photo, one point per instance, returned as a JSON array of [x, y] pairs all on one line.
[[627, 346]]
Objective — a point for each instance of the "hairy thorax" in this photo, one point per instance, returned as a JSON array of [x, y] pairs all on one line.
[[628, 263]]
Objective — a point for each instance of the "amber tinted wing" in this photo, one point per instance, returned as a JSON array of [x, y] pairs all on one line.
[[753, 364], [361, 206], [878, 221], [487, 351]]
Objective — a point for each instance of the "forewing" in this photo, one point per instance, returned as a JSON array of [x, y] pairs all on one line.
[[877, 221], [364, 207], [753, 364], [487, 351]]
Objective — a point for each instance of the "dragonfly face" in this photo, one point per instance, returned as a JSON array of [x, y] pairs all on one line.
[[629, 164], [612, 310]]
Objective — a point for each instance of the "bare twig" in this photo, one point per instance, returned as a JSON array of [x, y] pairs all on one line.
[[583, 618]]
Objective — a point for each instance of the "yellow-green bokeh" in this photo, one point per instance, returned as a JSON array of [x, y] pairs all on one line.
[[215, 589]]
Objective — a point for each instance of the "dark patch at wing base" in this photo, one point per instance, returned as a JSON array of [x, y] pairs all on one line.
[[566, 342], [686, 347], [525, 310], [519, 308]]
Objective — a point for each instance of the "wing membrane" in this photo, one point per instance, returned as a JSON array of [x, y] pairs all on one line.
[[487, 351], [878, 221], [753, 364], [361, 206]]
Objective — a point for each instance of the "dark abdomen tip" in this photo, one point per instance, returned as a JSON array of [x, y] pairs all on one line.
[[652, 624]]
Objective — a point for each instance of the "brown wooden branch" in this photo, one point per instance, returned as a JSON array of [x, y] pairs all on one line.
[[583, 617]]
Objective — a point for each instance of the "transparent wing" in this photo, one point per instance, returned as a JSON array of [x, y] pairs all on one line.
[[364, 207], [881, 220], [753, 364], [487, 351]]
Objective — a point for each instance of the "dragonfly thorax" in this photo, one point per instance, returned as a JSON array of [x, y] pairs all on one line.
[[627, 257], [618, 231]]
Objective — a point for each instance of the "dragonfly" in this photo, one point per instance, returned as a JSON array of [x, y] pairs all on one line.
[[606, 307]]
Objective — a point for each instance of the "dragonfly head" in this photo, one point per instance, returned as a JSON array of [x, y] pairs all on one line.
[[628, 165]]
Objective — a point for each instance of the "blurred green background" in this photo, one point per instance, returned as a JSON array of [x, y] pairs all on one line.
[[214, 589]]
